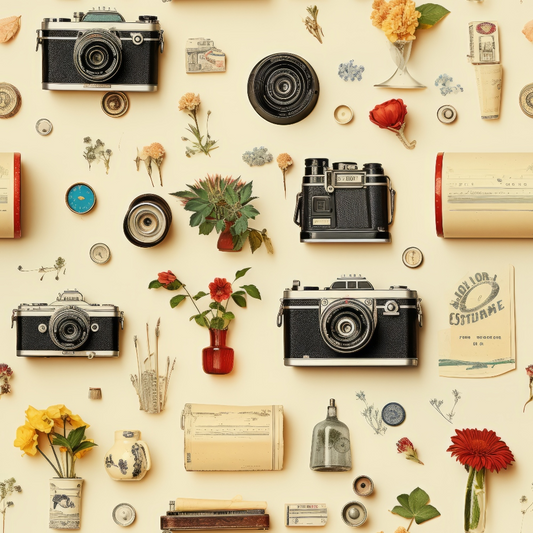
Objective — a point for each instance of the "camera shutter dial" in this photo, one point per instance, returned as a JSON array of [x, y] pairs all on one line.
[[137, 38], [97, 55], [69, 327], [347, 325]]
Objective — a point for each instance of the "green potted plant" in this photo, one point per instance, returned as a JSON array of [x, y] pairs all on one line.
[[223, 204]]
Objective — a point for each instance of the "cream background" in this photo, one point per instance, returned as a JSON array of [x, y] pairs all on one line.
[[248, 31]]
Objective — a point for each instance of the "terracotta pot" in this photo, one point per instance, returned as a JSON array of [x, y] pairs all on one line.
[[217, 358], [65, 502], [225, 239]]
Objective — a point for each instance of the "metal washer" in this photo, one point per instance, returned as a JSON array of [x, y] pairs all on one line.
[[44, 127], [10, 100], [124, 514], [115, 104], [447, 114], [393, 414], [354, 514]]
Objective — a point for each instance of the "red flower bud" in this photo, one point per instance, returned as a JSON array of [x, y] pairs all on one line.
[[166, 277], [220, 289], [389, 115]]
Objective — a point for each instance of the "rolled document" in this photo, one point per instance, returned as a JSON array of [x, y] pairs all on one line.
[[485, 56], [235, 504]]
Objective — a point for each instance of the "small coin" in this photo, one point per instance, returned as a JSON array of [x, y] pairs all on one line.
[[115, 104], [412, 257], [10, 100], [526, 100], [393, 414], [447, 114], [44, 127]]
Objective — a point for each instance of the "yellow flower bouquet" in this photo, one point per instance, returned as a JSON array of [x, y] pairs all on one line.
[[71, 447]]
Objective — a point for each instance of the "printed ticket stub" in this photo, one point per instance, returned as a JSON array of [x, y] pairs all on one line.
[[480, 341], [7, 196], [306, 514]]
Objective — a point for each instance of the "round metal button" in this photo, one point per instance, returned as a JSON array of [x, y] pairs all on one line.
[[354, 514], [10, 100], [526, 100], [100, 253], [115, 104], [447, 114], [412, 257], [124, 514], [343, 114], [393, 414], [363, 486], [44, 127]]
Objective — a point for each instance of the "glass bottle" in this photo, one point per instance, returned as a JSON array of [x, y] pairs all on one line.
[[330, 447]]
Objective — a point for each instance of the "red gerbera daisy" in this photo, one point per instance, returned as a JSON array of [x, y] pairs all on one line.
[[480, 449], [220, 289]]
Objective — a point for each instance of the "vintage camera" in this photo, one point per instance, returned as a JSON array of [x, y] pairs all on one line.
[[99, 50], [344, 204], [68, 327], [147, 220], [350, 324]]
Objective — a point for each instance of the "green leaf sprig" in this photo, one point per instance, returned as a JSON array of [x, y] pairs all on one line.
[[216, 202], [217, 315], [75, 442], [430, 15], [415, 506]]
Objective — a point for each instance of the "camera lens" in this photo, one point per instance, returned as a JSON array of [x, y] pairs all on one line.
[[97, 55], [147, 221], [69, 328], [283, 88], [347, 325]]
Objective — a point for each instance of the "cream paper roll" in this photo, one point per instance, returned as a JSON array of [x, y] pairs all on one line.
[[489, 90], [235, 504]]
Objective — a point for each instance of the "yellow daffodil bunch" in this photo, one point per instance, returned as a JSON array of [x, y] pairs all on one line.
[[72, 446]]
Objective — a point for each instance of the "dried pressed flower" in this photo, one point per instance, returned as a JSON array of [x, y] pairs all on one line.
[[398, 19], [155, 150], [189, 101], [284, 162], [406, 447], [311, 23]]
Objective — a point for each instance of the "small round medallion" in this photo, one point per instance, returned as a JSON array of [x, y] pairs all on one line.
[[10, 100], [343, 114], [526, 100], [412, 257], [115, 104], [393, 414], [100, 253], [124, 514], [80, 198], [44, 127], [447, 114]]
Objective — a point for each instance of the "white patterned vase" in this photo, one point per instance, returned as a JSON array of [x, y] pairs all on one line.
[[65, 502], [401, 79], [129, 458]]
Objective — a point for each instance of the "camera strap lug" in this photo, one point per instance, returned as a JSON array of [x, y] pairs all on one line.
[[13, 318], [279, 320], [122, 320], [419, 310], [161, 41], [39, 39], [298, 210], [392, 194]]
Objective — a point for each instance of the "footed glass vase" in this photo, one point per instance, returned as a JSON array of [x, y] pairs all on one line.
[[475, 501], [217, 358], [401, 79]]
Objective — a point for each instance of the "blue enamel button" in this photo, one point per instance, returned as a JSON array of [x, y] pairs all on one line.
[[80, 198]]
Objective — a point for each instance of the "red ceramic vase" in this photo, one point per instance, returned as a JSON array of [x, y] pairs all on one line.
[[225, 239], [217, 358]]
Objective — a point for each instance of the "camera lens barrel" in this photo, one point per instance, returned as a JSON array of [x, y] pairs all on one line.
[[283, 88], [147, 221], [97, 55], [69, 328]]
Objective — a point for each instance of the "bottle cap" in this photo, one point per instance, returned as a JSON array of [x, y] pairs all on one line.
[[343, 114], [363, 486], [354, 514], [43, 127], [124, 514], [10, 100], [115, 104], [393, 414]]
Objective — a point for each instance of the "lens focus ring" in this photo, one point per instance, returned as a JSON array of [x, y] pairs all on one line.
[[69, 328], [97, 55]]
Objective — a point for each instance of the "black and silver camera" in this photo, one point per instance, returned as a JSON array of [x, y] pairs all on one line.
[[99, 50], [68, 327], [350, 324], [343, 203]]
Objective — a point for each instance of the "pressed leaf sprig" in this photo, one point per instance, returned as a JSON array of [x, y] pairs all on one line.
[[372, 415], [7, 488], [311, 23], [190, 102], [97, 152], [59, 265], [218, 202], [529, 372], [9, 27], [437, 404], [72, 446], [415, 506], [220, 290]]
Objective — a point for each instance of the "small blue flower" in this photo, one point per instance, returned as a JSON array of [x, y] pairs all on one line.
[[444, 82], [257, 157], [350, 71]]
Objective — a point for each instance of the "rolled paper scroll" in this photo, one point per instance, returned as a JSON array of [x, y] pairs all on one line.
[[235, 504]]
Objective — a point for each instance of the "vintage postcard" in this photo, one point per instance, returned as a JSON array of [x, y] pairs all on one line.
[[481, 340], [225, 437], [201, 55]]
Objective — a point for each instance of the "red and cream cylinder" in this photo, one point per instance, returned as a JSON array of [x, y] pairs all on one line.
[[10, 193], [484, 195]]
